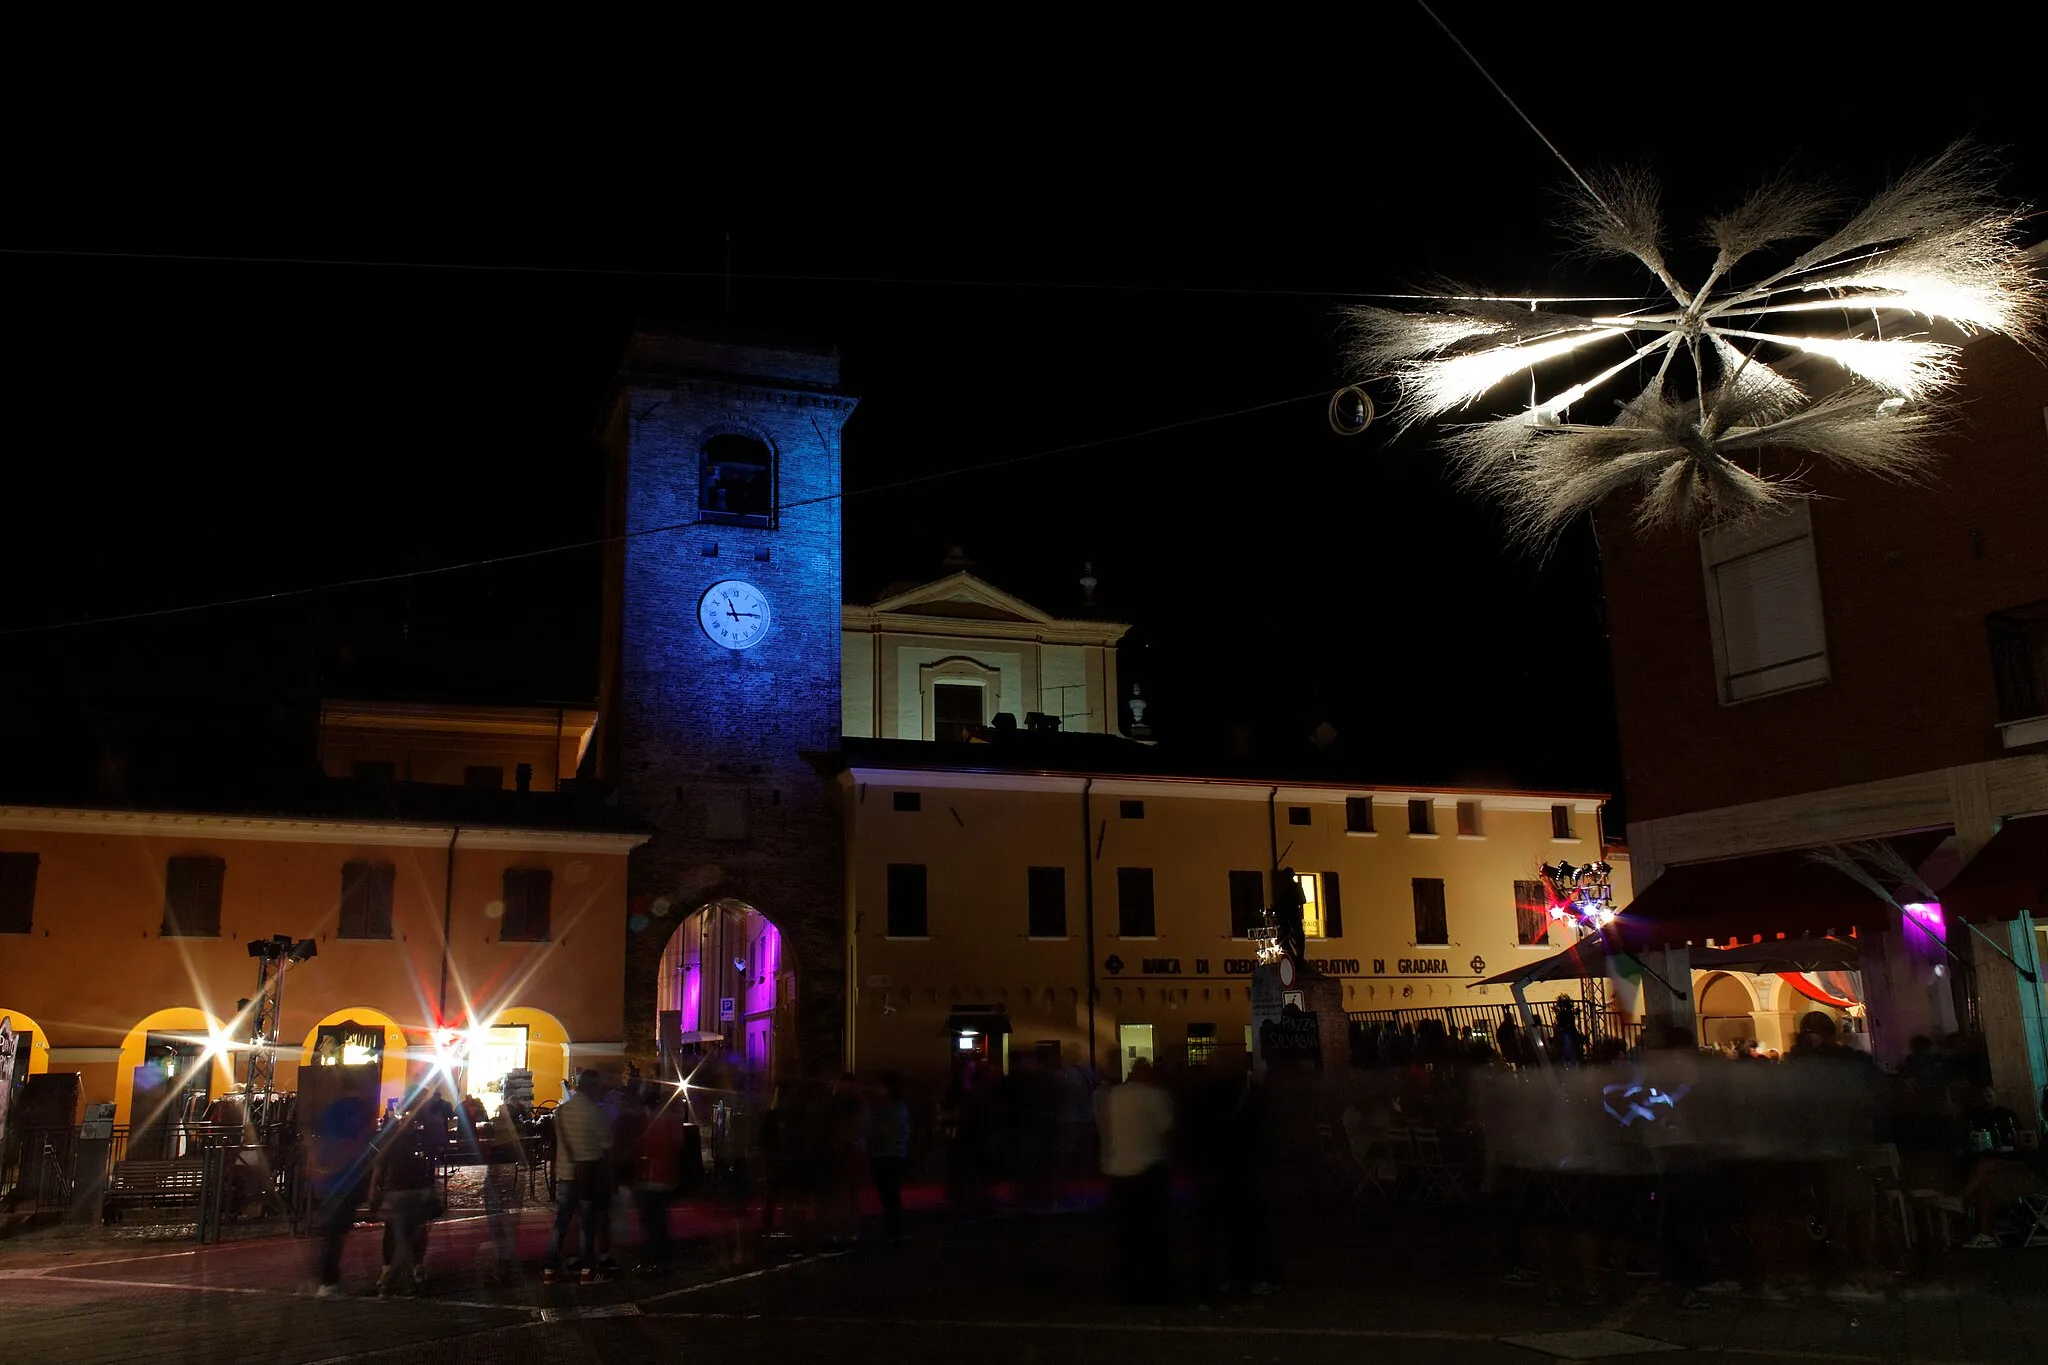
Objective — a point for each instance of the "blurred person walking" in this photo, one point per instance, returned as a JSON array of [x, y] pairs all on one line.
[[402, 1190], [1135, 1119], [582, 1176], [889, 1152], [338, 1167]]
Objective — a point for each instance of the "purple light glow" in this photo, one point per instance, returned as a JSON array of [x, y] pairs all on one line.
[[1927, 914]]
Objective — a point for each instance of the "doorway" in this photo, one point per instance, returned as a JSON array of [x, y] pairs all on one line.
[[1134, 1043]]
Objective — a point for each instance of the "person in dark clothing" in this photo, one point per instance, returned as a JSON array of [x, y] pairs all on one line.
[[338, 1167], [1507, 1038], [402, 1189], [889, 1152], [1224, 1147]]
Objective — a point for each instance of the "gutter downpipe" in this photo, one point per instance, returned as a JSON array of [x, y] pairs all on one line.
[[1088, 908], [448, 924]]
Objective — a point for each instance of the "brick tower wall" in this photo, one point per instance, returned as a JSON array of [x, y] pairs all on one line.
[[725, 752]]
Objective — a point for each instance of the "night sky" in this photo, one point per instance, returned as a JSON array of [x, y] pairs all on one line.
[[1022, 238]]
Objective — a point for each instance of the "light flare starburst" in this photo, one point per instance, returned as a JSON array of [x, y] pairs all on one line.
[[1937, 246]]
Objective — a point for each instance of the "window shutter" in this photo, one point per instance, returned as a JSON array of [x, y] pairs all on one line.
[[354, 920], [1134, 911], [527, 895], [377, 909], [1247, 902], [1047, 891], [1333, 907], [1358, 814], [1421, 818], [1432, 923], [1532, 912], [18, 892], [1560, 822], [192, 892], [1763, 589], [907, 908]]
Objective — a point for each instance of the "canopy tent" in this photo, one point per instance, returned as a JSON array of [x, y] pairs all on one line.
[[1762, 896], [1790, 956], [2008, 875]]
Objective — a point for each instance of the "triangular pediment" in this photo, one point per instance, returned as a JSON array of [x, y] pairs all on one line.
[[965, 596]]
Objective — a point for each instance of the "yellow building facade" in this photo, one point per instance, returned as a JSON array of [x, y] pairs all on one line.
[[1030, 893], [461, 936]]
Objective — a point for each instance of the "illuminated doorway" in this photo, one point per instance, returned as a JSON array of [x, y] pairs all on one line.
[[494, 1054], [1134, 1041], [724, 993]]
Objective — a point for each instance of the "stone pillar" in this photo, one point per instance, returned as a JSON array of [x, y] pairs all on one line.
[[2010, 1009], [1663, 1006]]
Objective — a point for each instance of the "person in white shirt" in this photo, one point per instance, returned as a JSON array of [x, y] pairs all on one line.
[[1135, 1119]]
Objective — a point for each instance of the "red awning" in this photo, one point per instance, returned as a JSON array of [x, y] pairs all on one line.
[[1762, 896], [2008, 875]]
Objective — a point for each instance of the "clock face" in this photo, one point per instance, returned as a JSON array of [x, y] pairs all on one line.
[[734, 614]]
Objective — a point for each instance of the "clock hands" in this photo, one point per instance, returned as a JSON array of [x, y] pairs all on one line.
[[735, 613]]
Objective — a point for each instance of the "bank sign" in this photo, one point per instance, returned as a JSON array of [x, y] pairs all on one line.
[[1115, 965]]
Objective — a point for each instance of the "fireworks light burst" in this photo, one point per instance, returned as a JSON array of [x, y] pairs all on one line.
[[1718, 429]]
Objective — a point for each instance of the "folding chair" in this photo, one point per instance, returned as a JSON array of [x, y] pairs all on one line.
[[2033, 1212], [1446, 1179]]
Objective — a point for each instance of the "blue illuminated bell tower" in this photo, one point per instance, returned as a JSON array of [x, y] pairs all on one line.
[[720, 710]]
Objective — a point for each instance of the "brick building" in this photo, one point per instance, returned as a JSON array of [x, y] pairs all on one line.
[[1872, 664]]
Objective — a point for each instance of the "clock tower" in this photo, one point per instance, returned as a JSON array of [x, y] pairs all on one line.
[[720, 688]]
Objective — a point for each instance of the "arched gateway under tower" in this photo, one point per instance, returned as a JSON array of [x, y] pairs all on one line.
[[724, 995], [721, 683]]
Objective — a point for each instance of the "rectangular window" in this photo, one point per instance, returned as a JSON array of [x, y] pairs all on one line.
[[1358, 814], [1130, 810], [1333, 907], [1311, 904], [907, 901], [365, 899], [1298, 815], [1201, 1045], [1046, 888], [529, 893], [484, 777], [18, 892], [1247, 902], [1468, 820], [1532, 913], [192, 891], [1763, 604], [956, 711], [1560, 822], [1134, 917], [909, 801], [1432, 924], [1421, 817]]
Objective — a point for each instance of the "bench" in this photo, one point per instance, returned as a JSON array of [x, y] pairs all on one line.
[[151, 1183]]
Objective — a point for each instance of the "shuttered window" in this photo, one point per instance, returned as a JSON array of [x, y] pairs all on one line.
[[1134, 917], [529, 892], [1247, 902], [1047, 890], [907, 901], [1432, 924], [1358, 814], [192, 891], [1763, 600], [1532, 914], [18, 892], [1333, 907], [1421, 818], [365, 899]]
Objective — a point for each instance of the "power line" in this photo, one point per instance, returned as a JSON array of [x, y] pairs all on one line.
[[567, 547], [892, 281]]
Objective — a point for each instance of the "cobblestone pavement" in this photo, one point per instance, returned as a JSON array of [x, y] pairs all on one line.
[[1405, 1287]]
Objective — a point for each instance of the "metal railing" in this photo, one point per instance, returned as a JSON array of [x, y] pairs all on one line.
[[1479, 1022]]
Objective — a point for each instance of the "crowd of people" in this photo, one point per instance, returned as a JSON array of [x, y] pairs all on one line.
[[1713, 1165], [1717, 1165]]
